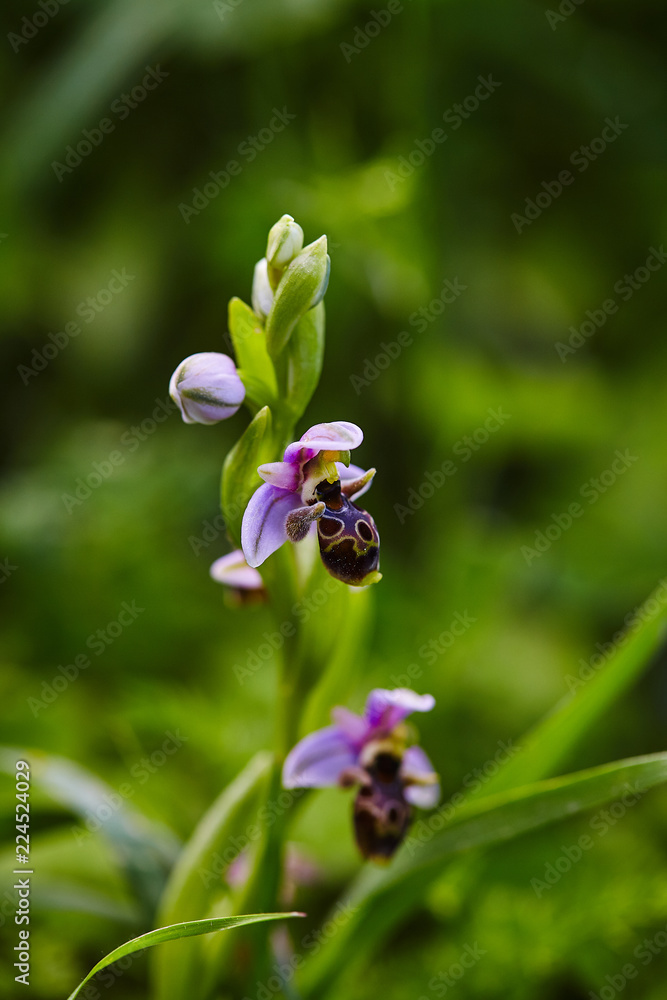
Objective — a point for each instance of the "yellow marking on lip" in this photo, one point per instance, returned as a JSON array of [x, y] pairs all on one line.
[[329, 459], [330, 470]]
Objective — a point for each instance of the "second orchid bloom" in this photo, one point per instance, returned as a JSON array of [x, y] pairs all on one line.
[[371, 751], [315, 485]]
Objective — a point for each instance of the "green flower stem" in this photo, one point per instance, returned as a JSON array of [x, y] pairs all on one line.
[[281, 577]]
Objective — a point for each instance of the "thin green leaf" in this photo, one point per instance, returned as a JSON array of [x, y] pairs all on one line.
[[190, 928], [197, 875], [545, 747], [115, 39], [487, 821]]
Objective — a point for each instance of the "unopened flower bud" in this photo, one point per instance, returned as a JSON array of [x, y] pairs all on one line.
[[262, 293], [301, 287], [207, 388], [284, 243]]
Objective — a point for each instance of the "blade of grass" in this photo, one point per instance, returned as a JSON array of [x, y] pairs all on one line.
[[545, 746], [190, 928], [188, 894]]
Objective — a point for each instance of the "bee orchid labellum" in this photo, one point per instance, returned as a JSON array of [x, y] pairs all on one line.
[[348, 539]]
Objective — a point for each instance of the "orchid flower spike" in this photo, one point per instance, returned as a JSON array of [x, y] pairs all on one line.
[[371, 751], [315, 483], [206, 388]]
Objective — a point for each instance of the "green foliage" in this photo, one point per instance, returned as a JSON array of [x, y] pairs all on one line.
[[300, 289], [305, 354], [252, 359], [196, 884], [239, 471], [541, 620]]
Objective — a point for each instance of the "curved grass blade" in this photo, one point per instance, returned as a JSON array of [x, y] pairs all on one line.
[[190, 928], [193, 884], [545, 746]]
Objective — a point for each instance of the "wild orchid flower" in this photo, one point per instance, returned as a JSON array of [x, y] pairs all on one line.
[[207, 388], [315, 483], [371, 751]]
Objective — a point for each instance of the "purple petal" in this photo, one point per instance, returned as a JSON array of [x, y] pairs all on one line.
[[351, 472], [284, 475], [263, 528], [385, 709], [418, 767], [206, 387], [354, 726], [318, 760], [233, 571], [339, 435]]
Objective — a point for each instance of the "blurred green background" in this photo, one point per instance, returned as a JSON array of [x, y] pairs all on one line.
[[141, 535]]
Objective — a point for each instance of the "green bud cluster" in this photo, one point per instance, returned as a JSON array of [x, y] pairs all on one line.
[[279, 347]]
